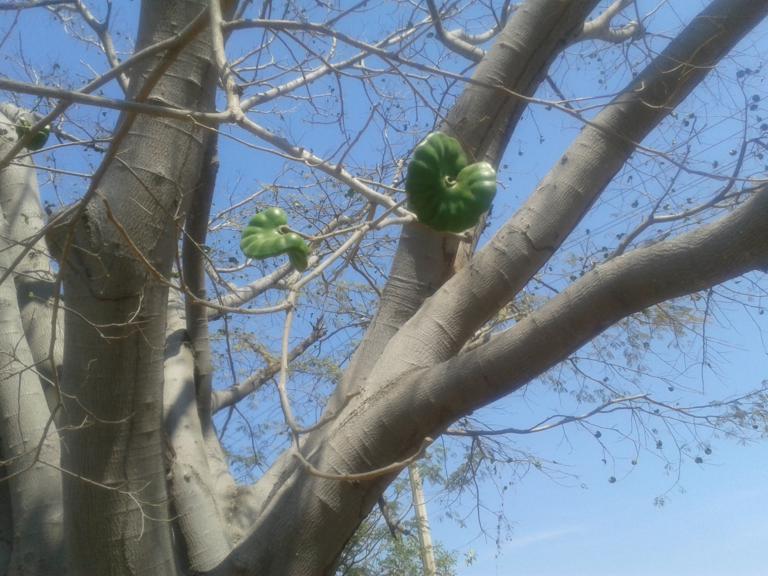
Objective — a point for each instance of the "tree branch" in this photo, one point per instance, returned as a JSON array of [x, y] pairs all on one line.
[[527, 241], [193, 273], [483, 119], [697, 260], [451, 40], [402, 404], [600, 28], [35, 4], [191, 483], [231, 396]]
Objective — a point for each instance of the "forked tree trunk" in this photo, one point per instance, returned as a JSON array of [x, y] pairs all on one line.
[[142, 489]]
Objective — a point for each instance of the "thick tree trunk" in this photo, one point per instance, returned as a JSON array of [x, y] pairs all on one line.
[[30, 447], [20, 201], [114, 253]]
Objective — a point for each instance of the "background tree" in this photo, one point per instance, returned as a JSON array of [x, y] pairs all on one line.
[[136, 431]]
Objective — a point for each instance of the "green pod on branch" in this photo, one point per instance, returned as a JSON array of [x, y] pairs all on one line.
[[38, 139], [444, 191], [266, 236]]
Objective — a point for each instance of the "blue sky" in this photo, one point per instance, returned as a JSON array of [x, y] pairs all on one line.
[[716, 527], [713, 521]]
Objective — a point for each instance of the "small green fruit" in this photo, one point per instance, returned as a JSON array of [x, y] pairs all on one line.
[[38, 139], [265, 237]]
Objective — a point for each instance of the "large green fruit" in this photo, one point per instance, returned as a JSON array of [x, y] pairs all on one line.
[[444, 191], [265, 237]]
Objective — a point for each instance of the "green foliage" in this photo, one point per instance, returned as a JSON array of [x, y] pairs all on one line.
[[373, 551], [38, 139], [446, 192], [266, 236]]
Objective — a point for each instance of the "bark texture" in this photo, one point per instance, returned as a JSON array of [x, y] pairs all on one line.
[[697, 260], [527, 241], [35, 283], [198, 516], [30, 444], [114, 253]]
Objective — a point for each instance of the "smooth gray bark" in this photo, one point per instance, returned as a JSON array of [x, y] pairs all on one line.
[[707, 256], [527, 241], [117, 515], [30, 444], [193, 262], [35, 284], [197, 319], [195, 508], [30, 448]]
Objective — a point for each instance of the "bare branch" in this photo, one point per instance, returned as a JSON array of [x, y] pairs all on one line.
[[539, 227], [600, 27], [34, 4], [712, 254], [451, 40], [102, 31], [231, 396]]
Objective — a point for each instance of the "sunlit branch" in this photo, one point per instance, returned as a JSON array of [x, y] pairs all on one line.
[[22, 5], [102, 31], [453, 41], [600, 28], [231, 396]]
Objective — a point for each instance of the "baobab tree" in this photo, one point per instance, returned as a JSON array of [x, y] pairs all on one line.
[[133, 328]]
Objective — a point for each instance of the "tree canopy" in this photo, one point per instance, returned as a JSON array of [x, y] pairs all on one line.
[[248, 277]]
